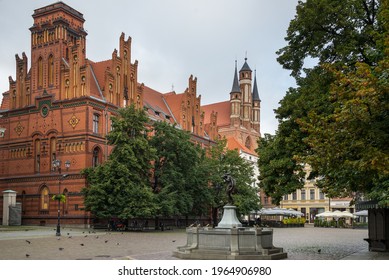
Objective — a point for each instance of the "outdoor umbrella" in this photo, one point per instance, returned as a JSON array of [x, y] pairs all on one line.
[[347, 214], [361, 213], [326, 214]]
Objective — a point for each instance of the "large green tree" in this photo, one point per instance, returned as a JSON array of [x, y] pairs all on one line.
[[120, 187], [336, 119], [221, 161], [179, 187]]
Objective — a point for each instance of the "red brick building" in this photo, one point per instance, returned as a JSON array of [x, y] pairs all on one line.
[[60, 109]]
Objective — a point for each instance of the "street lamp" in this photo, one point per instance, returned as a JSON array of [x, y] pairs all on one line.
[[57, 166]]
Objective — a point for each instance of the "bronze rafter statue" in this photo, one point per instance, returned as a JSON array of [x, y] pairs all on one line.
[[230, 189]]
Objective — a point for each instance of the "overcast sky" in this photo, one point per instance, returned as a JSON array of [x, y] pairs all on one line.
[[173, 39]]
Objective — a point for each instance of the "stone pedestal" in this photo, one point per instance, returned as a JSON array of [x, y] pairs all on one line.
[[229, 219], [9, 199]]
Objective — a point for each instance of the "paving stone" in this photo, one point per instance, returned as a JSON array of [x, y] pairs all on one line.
[[308, 243]]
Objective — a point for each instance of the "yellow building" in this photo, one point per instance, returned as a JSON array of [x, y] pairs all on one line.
[[311, 201]]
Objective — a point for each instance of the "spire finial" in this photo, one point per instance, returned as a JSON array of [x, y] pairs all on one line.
[[245, 57]]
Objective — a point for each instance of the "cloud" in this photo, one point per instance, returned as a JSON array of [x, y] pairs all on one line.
[[173, 39]]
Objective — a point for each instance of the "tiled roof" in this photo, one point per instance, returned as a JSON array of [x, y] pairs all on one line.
[[234, 144], [95, 89], [255, 90], [99, 70], [223, 110], [245, 66], [174, 101], [235, 84], [156, 105]]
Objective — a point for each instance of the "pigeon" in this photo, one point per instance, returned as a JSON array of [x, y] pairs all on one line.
[[27, 255], [28, 241], [70, 237], [60, 249], [86, 236], [68, 233], [106, 241], [319, 251], [82, 244], [173, 241], [118, 243]]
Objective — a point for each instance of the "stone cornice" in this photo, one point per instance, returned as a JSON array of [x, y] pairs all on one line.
[[40, 178]]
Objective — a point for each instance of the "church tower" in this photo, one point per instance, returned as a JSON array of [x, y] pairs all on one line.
[[245, 88], [58, 42], [235, 100]]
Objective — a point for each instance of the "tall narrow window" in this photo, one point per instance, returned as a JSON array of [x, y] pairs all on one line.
[[95, 123], [53, 150], [40, 72], [312, 194], [44, 198], [37, 156], [51, 70], [303, 195], [321, 194], [96, 157]]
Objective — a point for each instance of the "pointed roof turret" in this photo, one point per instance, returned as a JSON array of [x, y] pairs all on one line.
[[255, 89], [235, 85], [245, 66]]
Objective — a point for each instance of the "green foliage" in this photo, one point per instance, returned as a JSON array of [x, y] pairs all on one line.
[[178, 184], [161, 175], [294, 221], [60, 197], [336, 120], [331, 31], [120, 186], [221, 161]]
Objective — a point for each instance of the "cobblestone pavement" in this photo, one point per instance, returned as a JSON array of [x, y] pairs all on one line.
[[40, 243]]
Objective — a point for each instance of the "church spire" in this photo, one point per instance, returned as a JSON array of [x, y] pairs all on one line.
[[255, 89], [235, 85]]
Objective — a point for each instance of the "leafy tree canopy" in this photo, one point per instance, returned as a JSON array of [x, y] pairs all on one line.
[[120, 186], [179, 187], [336, 120], [221, 161]]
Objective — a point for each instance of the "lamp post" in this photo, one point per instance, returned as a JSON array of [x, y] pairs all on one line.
[[57, 166]]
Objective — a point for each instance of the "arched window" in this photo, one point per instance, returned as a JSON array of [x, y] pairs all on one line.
[[40, 72], [96, 157], [51, 70], [44, 198]]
